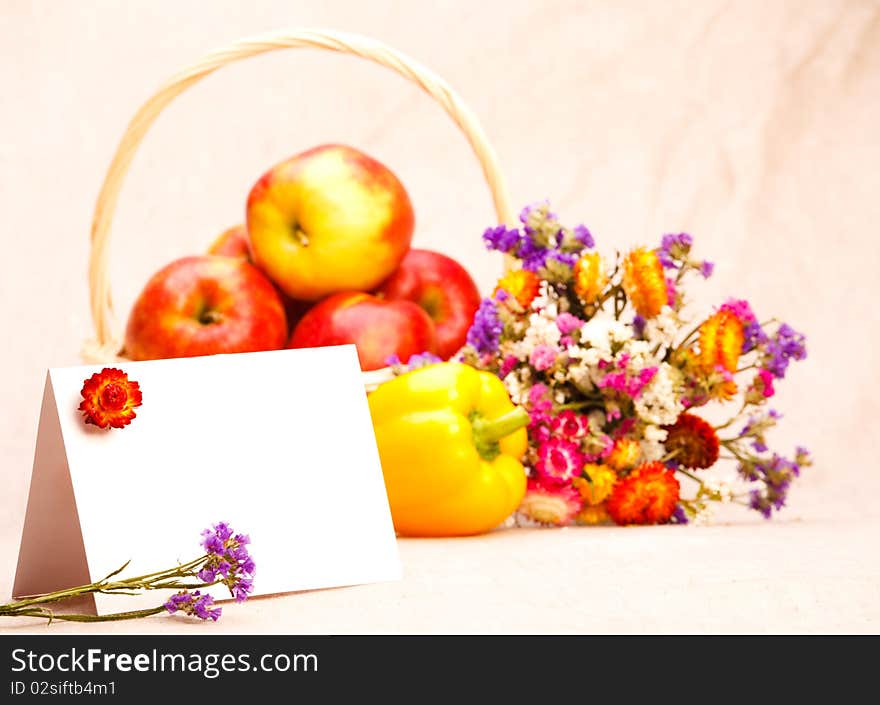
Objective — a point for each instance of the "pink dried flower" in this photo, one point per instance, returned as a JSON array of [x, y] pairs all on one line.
[[570, 425], [766, 378], [550, 504], [559, 461], [507, 366], [761, 387], [543, 357], [538, 393], [598, 447], [624, 384], [567, 323], [741, 309]]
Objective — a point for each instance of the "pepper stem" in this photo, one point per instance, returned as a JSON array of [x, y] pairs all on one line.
[[487, 432]]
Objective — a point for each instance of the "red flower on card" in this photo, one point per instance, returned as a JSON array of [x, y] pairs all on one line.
[[109, 398]]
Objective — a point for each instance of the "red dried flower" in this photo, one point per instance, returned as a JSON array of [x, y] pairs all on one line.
[[693, 440], [109, 398], [648, 495]]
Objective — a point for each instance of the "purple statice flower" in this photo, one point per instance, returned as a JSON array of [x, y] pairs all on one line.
[[214, 539], [802, 457], [679, 515], [753, 336], [707, 268], [484, 334], [228, 560], [567, 323], [203, 608], [194, 604], [502, 239], [786, 345], [567, 259], [242, 589], [639, 324], [414, 363], [682, 241], [533, 255], [543, 357], [178, 601], [526, 212], [672, 248], [776, 475], [583, 235]]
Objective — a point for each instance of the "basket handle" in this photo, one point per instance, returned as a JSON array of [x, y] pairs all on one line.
[[104, 347]]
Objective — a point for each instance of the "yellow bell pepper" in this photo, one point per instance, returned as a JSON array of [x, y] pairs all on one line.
[[450, 442]]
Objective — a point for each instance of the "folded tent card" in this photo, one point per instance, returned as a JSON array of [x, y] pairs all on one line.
[[279, 444]]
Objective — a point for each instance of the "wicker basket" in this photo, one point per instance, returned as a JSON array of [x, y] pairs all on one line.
[[105, 346]]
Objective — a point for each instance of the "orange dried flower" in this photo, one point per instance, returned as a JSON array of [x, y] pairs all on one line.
[[648, 495], [109, 398], [521, 284], [625, 454], [598, 485], [644, 282], [589, 277], [693, 440], [721, 341], [724, 390], [591, 516]]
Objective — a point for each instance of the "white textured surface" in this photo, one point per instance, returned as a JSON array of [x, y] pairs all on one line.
[[752, 125], [789, 577]]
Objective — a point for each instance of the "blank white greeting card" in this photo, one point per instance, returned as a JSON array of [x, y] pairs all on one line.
[[278, 444]]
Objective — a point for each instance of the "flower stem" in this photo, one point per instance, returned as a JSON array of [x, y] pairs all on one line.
[[689, 474], [51, 616], [687, 338], [576, 405], [149, 581], [733, 418]]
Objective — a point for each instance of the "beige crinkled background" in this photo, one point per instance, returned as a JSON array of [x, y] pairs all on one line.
[[752, 125]]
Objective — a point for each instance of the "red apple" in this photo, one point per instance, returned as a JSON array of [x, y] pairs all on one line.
[[442, 287], [378, 328], [327, 220], [205, 305], [232, 242]]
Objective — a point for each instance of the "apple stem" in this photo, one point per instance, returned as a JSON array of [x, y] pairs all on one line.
[[300, 235], [487, 432]]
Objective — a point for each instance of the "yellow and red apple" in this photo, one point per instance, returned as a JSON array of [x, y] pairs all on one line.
[[205, 305], [327, 220], [234, 242], [378, 328], [443, 288]]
